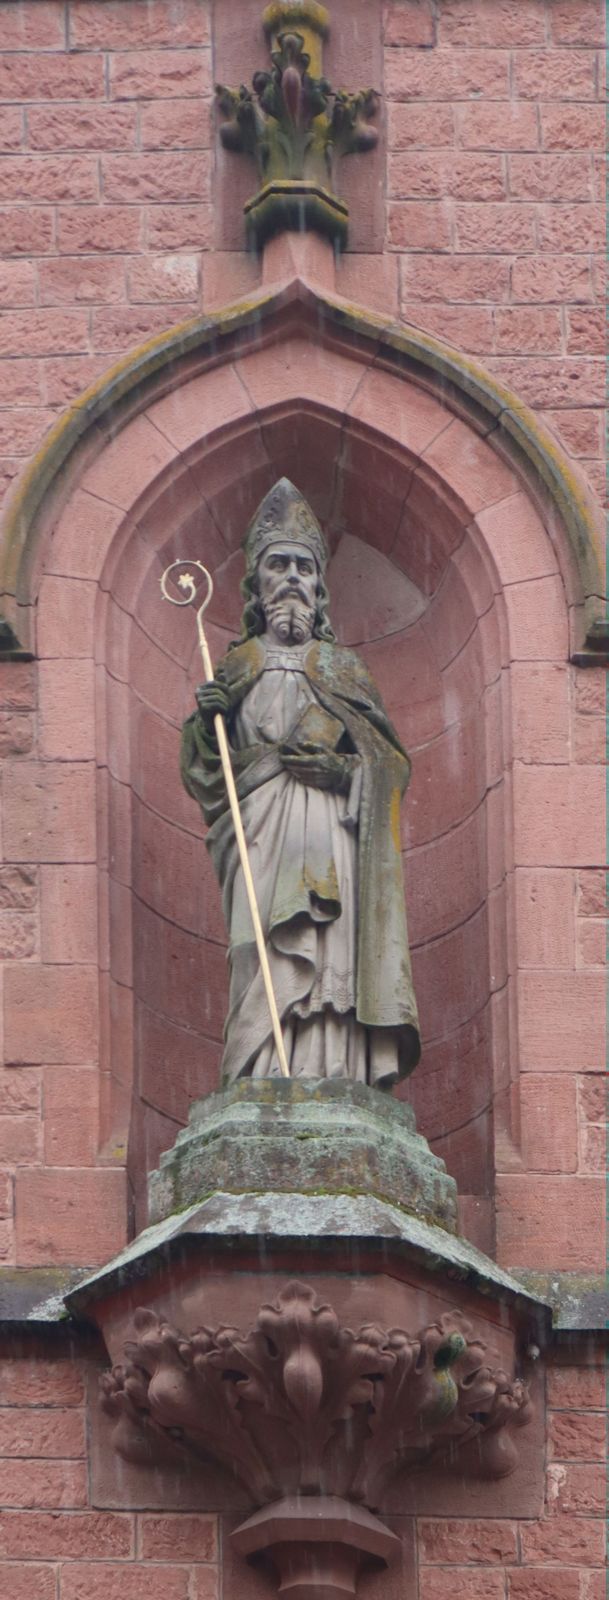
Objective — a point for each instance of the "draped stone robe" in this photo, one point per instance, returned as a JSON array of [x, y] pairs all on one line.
[[326, 867]]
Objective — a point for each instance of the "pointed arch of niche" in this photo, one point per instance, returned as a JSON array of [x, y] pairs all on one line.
[[461, 549]]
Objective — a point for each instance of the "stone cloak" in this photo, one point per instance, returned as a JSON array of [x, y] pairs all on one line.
[[342, 685]]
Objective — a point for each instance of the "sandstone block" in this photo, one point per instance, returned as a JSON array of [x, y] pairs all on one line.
[[152, 74], [41, 333], [66, 378], [570, 228], [11, 127], [486, 1542], [26, 232], [16, 733], [17, 286], [19, 1090], [50, 177], [553, 1223], [18, 935], [420, 126], [69, 913], [572, 127], [477, 22], [576, 1489], [46, 1433], [550, 278], [105, 1581], [164, 1536], [41, 1382], [531, 1584], [53, 1536], [98, 228], [160, 175], [554, 75], [580, 23], [492, 126], [559, 815], [585, 330], [115, 329], [550, 176], [179, 227], [164, 278], [28, 1580], [43, 1484], [51, 77], [465, 175], [545, 901], [570, 1542], [69, 1215], [528, 328], [71, 1116], [562, 1021], [22, 382], [176, 125], [540, 712], [411, 23], [460, 1583], [51, 1014], [576, 1436], [120, 27], [419, 225], [502, 228], [592, 1099], [49, 811], [81, 280], [68, 127], [446, 75], [456, 278], [549, 1124]]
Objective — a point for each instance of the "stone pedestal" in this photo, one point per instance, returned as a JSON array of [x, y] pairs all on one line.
[[301, 1341], [304, 1138]]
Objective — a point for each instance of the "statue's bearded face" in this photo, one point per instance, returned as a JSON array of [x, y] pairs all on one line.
[[287, 580]]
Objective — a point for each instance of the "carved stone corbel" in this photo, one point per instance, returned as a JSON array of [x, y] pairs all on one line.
[[315, 1420]]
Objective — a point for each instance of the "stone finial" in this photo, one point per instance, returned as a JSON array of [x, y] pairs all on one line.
[[296, 125]]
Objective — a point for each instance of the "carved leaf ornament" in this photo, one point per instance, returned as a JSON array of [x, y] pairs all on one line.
[[300, 1405], [293, 123]]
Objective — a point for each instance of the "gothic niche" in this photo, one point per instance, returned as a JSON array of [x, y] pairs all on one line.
[[315, 1420]]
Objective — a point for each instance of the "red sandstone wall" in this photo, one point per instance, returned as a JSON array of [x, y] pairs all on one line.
[[107, 228], [56, 1545], [494, 240], [494, 220]]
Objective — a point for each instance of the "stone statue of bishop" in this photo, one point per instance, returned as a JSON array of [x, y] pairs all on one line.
[[320, 775]]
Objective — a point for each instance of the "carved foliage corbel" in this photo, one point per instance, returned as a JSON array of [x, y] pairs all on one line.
[[298, 1404]]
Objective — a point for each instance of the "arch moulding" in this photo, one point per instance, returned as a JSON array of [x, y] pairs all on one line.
[[489, 411], [462, 544]]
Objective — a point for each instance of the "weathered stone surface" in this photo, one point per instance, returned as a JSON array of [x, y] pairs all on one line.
[[322, 1136], [359, 1220]]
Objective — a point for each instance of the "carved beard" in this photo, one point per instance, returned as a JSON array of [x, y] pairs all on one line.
[[290, 617]]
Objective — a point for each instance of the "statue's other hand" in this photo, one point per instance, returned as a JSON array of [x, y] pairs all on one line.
[[320, 769], [212, 699]]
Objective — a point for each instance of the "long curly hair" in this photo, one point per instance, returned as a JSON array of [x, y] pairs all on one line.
[[253, 620]]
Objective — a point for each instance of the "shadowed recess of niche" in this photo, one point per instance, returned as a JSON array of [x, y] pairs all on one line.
[[399, 596]]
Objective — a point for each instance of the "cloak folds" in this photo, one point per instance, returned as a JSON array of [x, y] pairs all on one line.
[[343, 687]]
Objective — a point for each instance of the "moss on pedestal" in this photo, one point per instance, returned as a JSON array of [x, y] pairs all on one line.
[[324, 1137]]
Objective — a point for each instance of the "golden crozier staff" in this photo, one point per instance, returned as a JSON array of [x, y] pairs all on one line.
[[186, 582]]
